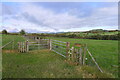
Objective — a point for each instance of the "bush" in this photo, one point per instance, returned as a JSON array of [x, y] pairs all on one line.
[[4, 32], [22, 32]]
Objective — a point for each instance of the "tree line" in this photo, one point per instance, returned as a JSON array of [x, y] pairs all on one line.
[[22, 32], [73, 35]]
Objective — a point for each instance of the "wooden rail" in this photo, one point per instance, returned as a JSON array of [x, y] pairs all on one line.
[[94, 61], [6, 44]]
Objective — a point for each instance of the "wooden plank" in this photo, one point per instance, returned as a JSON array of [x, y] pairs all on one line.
[[80, 56], [50, 44], [39, 44], [23, 46], [58, 53], [72, 55], [32, 42], [6, 44], [18, 46], [27, 43], [85, 49], [13, 44], [94, 61], [59, 41], [77, 55], [67, 48]]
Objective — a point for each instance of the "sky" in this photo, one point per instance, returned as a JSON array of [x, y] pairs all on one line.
[[37, 17]]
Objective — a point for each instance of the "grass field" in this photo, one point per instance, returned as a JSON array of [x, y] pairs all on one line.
[[47, 64]]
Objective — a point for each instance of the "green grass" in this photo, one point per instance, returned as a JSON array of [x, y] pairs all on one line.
[[44, 64]]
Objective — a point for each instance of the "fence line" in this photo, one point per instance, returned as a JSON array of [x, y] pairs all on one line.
[[63, 48], [26, 46]]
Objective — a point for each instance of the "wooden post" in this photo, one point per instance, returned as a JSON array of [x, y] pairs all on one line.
[[18, 46], [85, 49], [50, 44], [80, 56], [38, 44], [13, 44], [23, 46], [72, 55], [67, 49], [27, 43], [77, 56]]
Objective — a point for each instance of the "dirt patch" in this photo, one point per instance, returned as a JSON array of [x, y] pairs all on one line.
[[9, 51], [70, 62], [78, 45]]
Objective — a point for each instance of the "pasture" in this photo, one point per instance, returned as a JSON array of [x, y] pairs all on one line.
[[48, 64]]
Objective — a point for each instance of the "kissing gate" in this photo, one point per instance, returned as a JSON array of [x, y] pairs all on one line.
[[75, 53]]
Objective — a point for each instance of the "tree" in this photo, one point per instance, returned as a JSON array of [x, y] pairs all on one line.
[[4, 31], [22, 32]]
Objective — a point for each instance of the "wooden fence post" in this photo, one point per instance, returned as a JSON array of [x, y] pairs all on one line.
[[13, 44], [85, 50], [50, 44], [67, 49], [80, 56], [27, 44], [18, 46], [38, 45]]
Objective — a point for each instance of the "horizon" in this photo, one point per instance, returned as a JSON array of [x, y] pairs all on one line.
[[58, 32], [37, 17]]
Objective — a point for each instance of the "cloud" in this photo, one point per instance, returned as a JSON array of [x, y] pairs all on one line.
[[34, 18]]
